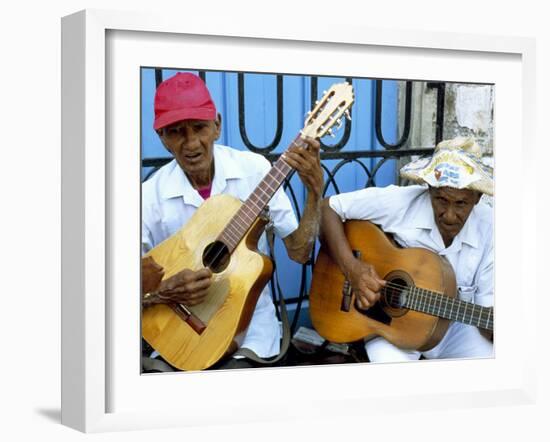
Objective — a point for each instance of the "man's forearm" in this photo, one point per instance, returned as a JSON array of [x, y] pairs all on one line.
[[334, 238], [299, 244]]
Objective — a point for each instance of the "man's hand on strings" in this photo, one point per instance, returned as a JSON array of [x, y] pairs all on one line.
[[187, 287], [306, 161], [365, 283]]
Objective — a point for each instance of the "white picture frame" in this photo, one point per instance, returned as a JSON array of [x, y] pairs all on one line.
[[90, 171]]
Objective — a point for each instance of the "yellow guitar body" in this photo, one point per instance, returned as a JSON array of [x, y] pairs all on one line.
[[232, 296]]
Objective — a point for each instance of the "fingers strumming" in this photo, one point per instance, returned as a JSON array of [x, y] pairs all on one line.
[[204, 273]]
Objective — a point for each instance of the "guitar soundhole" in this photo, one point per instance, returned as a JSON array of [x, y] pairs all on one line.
[[395, 293], [216, 256]]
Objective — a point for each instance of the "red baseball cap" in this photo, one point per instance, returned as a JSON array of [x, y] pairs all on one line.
[[182, 97]]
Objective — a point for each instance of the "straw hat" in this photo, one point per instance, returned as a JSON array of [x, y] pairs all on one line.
[[455, 163]]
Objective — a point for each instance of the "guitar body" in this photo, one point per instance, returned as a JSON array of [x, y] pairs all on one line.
[[232, 296], [406, 329]]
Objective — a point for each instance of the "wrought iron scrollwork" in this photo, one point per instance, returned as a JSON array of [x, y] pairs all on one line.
[[242, 118], [378, 117]]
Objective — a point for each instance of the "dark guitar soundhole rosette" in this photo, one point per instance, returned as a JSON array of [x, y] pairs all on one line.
[[394, 294]]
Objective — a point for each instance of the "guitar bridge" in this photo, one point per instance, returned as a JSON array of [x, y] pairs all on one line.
[[346, 289], [346, 297], [187, 316]]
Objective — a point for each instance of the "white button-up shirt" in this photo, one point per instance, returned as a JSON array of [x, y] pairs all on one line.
[[169, 200], [406, 212]]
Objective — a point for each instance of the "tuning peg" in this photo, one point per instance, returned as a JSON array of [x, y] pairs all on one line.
[[331, 133], [348, 115], [339, 123]]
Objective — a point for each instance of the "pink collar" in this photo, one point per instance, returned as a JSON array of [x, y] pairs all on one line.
[[205, 192]]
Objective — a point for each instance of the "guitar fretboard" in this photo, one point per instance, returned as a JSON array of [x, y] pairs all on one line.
[[442, 306], [235, 230]]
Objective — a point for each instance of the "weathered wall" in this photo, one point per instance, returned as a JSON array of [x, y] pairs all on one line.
[[468, 110]]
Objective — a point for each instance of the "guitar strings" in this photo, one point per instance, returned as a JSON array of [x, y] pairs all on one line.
[[395, 297], [274, 167], [396, 290], [234, 246]]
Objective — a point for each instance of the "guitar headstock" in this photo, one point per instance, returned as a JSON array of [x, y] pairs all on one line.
[[329, 111]]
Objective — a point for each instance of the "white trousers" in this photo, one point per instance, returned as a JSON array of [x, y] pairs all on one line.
[[460, 341]]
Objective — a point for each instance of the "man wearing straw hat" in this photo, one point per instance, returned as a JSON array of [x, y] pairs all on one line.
[[442, 212]]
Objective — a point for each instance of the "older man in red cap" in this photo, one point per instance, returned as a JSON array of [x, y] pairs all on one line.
[[442, 213], [188, 125]]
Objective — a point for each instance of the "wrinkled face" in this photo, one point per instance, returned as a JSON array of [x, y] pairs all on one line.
[[451, 209], [192, 144]]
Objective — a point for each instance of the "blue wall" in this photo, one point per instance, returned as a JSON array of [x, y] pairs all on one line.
[[261, 122]]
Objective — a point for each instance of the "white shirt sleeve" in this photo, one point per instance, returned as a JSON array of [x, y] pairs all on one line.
[[147, 241], [484, 278], [149, 220], [281, 214], [380, 205]]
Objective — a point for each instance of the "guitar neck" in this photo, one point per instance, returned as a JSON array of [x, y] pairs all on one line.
[[442, 306], [257, 201], [327, 112]]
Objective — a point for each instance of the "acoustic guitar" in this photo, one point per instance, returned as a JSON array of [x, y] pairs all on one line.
[[223, 235], [415, 307]]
